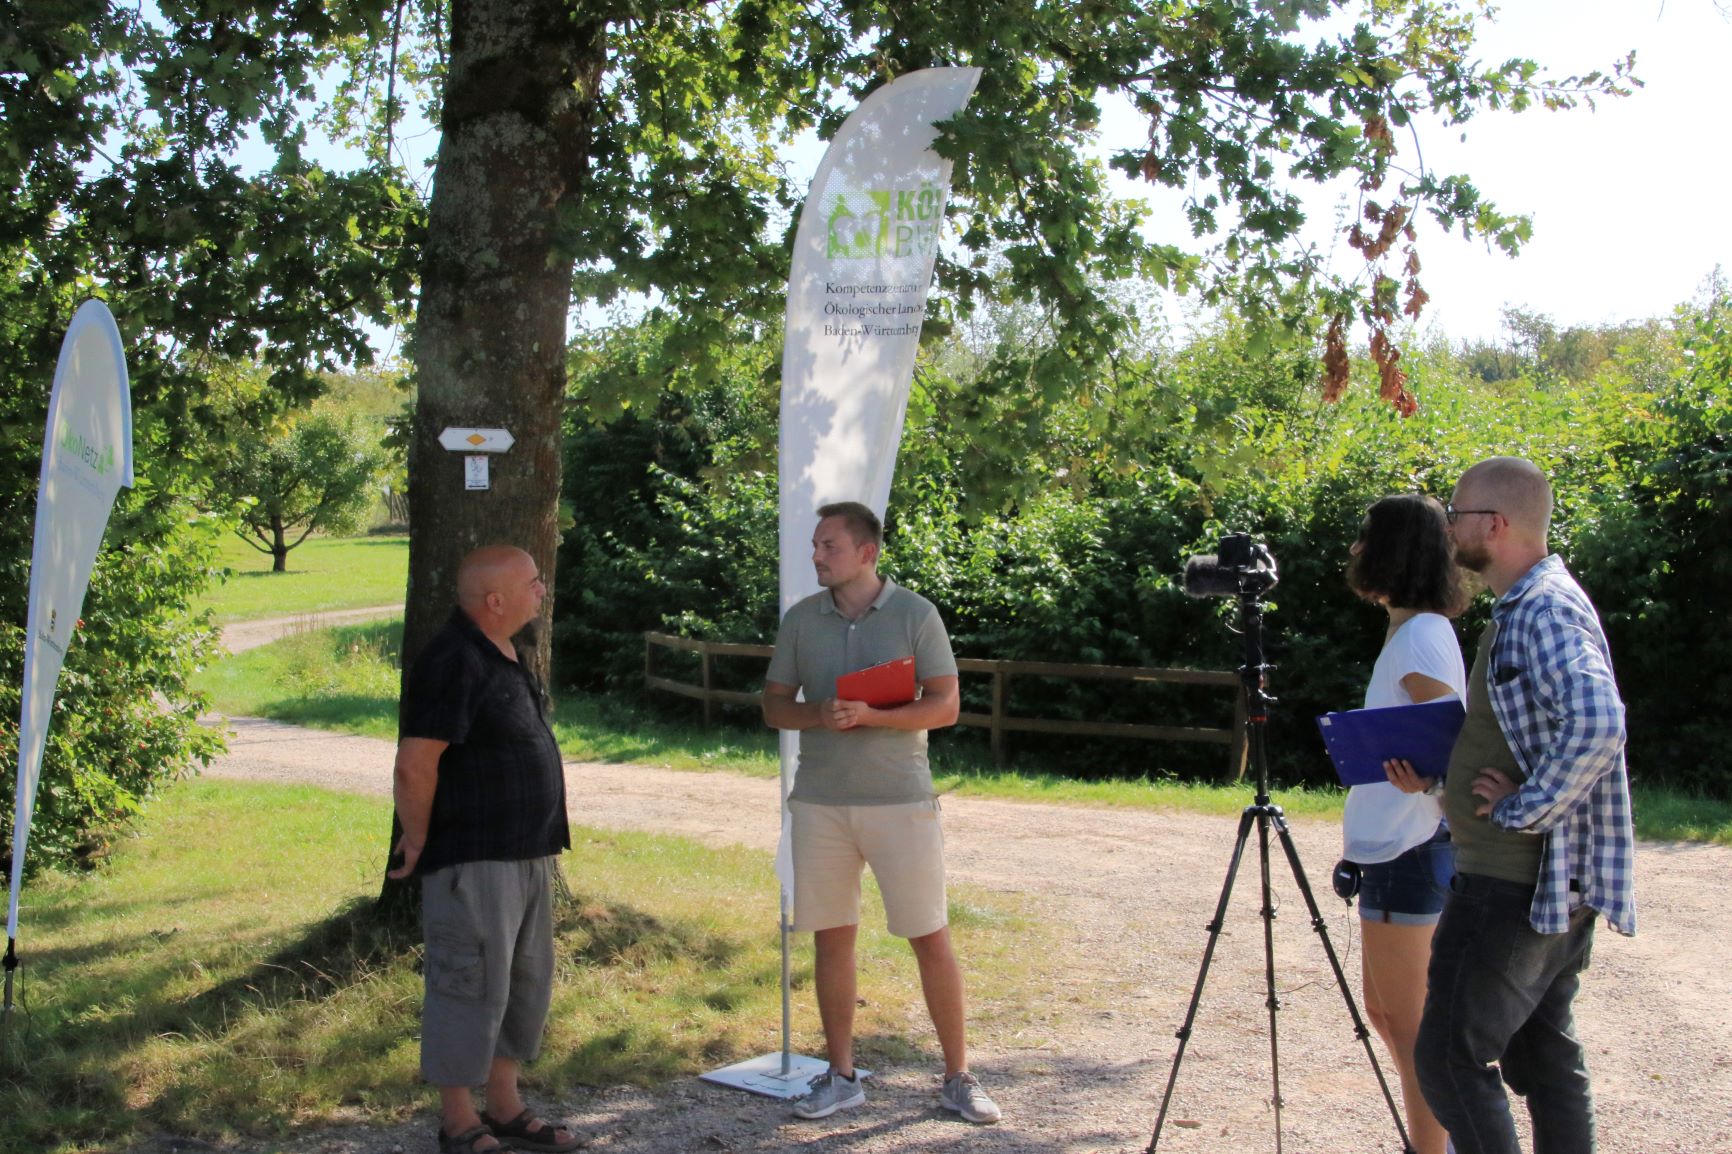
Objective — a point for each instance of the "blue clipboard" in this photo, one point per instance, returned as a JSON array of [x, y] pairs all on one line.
[[1361, 740]]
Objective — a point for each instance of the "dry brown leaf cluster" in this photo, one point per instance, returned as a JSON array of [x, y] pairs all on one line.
[[1335, 363], [1392, 378], [1390, 224], [1377, 131], [1152, 166], [1416, 296], [1373, 237]]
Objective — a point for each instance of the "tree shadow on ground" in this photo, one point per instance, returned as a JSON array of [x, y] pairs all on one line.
[[357, 940], [603, 934], [329, 956], [78, 1069]]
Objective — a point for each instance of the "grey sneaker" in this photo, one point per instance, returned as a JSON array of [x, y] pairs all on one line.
[[963, 1094], [831, 1092]]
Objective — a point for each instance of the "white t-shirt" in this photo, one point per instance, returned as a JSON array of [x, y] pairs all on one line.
[[1381, 823]]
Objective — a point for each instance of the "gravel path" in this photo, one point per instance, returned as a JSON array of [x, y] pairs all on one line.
[[239, 636], [1131, 891]]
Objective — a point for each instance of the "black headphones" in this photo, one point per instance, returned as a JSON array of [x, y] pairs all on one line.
[[1345, 879]]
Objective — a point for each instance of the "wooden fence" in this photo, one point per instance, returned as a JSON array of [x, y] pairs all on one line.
[[998, 719]]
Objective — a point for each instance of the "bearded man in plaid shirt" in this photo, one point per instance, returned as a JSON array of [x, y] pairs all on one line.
[[1538, 805]]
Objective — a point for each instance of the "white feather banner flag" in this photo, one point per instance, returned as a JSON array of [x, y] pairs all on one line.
[[862, 265], [86, 458]]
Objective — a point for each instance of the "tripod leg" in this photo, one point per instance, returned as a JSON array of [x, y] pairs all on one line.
[[1273, 998], [1214, 927], [1359, 1028]]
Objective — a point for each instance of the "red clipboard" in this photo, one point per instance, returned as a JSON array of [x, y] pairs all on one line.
[[891, 683]]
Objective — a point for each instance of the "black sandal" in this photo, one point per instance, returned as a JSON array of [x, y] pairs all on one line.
[[465, 1143], [527, 1132]]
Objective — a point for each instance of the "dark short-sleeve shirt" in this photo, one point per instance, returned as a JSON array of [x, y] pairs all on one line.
[[501, 789]]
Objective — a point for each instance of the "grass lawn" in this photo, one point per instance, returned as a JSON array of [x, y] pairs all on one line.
[[222, 974], [324, 573], [346, 679]]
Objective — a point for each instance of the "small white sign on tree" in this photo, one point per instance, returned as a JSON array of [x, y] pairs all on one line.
[[477, 440]]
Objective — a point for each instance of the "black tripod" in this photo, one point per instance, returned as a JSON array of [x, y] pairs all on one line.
[[1265, 814]]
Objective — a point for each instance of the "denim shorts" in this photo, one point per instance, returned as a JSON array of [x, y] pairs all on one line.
[[1410, 890]]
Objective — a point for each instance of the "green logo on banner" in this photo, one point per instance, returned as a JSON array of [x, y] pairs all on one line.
[[892, 222], [100, 460]]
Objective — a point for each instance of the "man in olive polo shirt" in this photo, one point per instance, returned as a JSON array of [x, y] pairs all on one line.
[[1538, 805], [863, 796], [480, 792]]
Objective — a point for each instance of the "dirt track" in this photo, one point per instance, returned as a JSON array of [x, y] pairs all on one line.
[[1131, 891]]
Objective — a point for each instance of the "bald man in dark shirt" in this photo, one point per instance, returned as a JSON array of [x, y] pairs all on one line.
[[480, 792]]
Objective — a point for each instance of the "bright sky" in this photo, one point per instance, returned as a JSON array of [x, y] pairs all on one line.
[[1629, 200]]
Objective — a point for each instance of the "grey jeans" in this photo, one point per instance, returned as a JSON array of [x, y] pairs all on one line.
[[488, 968], [1498, 1011]]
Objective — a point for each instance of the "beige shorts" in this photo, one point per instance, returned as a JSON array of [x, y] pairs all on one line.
[[903, 844]]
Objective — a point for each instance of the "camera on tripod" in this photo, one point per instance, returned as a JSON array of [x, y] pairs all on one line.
[[1245, 569], [1239, 567]]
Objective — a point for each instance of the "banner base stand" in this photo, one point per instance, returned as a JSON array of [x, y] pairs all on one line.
[[763, 1075]]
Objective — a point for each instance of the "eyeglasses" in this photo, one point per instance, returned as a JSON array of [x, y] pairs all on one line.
[[1451, 513]]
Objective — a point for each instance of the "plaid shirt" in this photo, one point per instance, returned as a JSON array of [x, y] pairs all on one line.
[[1558, 706]]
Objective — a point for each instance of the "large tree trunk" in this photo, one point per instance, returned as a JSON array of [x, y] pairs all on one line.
[[489, 345]]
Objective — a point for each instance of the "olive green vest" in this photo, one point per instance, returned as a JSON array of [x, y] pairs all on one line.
[[1481, 847]]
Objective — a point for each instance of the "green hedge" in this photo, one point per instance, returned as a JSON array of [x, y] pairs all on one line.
[[1059, 530]]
